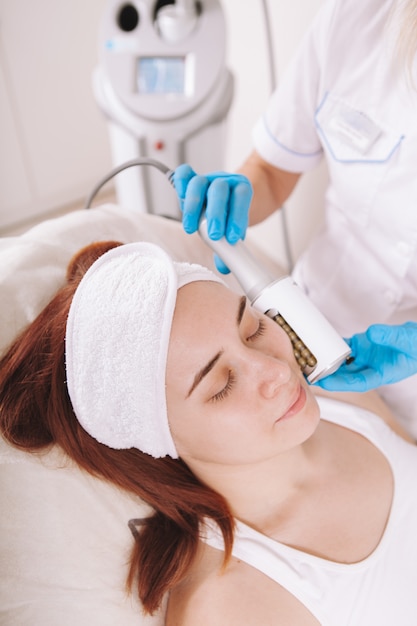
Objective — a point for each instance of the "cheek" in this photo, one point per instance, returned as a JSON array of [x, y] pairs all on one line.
[[189, 435], [204, 435], [185, 420]]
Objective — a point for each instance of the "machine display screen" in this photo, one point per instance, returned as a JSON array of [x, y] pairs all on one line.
[[161, 75]]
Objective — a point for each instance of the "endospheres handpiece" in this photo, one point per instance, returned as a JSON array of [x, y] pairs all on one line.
[[318, 348]]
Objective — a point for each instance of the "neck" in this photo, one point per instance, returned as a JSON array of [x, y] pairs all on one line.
[[258, 492]]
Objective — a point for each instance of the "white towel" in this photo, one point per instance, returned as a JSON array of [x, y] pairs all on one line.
[[117, 339]]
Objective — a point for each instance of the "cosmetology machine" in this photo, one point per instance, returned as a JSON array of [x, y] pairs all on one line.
[[164, 88], [318, 348]]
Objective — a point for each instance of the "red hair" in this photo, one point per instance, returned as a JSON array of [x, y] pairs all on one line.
[[35, 412]]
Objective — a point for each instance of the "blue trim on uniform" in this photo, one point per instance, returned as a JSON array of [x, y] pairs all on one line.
[[317, 111], [294, 152]]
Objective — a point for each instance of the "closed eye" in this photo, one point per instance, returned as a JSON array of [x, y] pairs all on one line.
[[259, 331], [223, 393]]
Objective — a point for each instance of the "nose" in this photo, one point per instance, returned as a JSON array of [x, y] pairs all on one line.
[[273, 374]]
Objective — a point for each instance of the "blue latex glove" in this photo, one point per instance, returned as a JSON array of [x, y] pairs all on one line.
[[382, 355], [225, 197]]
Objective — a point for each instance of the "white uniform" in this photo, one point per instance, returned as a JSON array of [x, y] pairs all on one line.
[[344, 97], [379, 590]]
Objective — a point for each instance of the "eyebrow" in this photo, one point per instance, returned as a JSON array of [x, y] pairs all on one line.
[[241, 309], [207, 368]]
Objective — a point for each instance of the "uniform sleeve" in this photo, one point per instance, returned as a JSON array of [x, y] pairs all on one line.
[[286, 134]]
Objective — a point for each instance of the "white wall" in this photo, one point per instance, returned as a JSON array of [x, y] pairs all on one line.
[[54, 143]]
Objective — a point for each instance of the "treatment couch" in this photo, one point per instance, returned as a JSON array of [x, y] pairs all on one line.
[[64, 535]]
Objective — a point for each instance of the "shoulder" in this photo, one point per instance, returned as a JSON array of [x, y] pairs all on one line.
[[238, 595], [371, 402], [359, 25]]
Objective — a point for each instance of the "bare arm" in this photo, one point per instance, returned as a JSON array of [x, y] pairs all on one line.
[[271, 186]]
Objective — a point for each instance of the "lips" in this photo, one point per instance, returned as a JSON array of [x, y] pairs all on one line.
[[297, 405]]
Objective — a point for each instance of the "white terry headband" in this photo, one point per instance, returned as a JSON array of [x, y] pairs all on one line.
[[116, 346]]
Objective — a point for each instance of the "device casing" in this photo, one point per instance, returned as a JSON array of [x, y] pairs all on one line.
[[273, 296], [177, 115]]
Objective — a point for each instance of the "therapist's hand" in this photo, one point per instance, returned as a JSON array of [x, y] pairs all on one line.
[[382, 355], [224, 197]]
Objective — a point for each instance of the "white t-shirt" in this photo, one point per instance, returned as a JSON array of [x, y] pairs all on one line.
[[379, 590], [345, 98]]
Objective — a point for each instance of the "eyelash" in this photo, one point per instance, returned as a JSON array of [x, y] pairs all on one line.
[[221, 395], [260, 331]]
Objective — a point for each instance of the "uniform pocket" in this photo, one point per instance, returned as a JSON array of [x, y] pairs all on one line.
[[359, 152]]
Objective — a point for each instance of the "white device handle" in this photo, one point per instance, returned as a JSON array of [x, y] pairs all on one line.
[[283, 298], [308, 323]]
